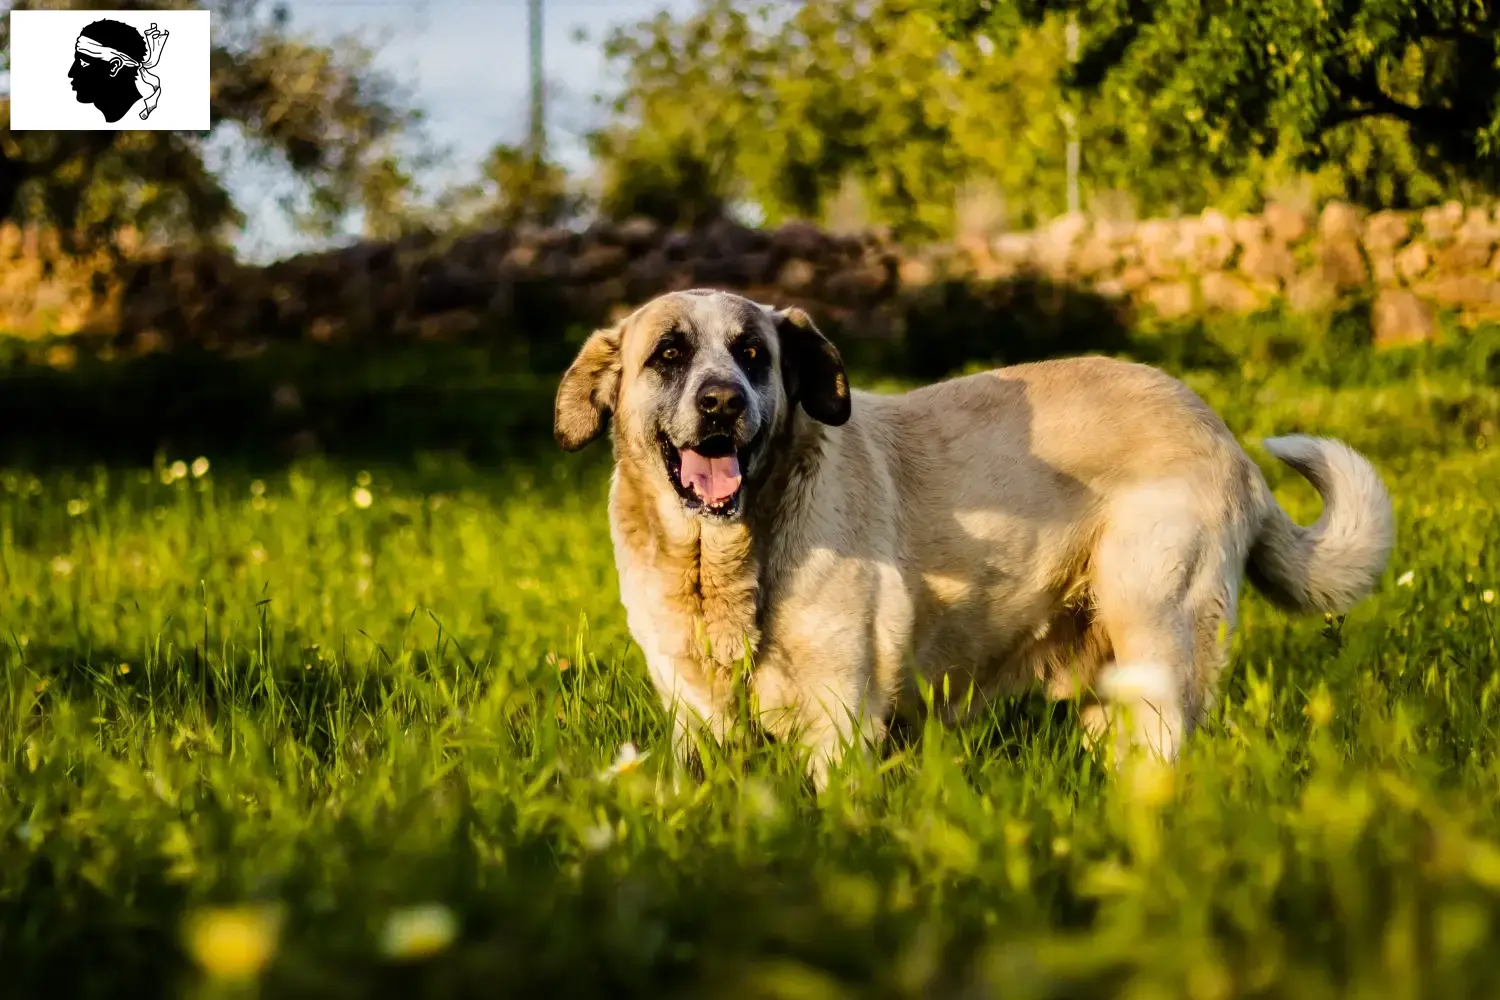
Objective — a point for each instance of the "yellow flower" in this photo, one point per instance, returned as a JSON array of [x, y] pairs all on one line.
[[1405, 579], [1152, 782], [233, 942], [1487, 597], [362, 497], [200, 467], [178, 470], [1319, 708], [418, 931], [124, 668]]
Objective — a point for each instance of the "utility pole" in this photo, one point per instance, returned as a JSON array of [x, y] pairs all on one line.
[[1070, 119], [537, 141]]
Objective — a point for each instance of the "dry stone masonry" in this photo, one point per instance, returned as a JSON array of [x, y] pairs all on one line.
[[1408, 266]]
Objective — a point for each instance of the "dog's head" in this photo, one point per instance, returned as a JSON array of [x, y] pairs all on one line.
[[697, 383]]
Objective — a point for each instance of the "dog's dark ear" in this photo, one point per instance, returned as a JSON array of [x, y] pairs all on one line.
[[811, 366], [586, 396]]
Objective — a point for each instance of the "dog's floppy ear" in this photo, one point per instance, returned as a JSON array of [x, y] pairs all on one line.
[[812, 368], [587, 393]]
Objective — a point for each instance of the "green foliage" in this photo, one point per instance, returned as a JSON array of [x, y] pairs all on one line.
[[1225, 86], [911, 103], [785, 108], [675, 160], [659, 177], [322, 111], [348, 686], [514, 187]]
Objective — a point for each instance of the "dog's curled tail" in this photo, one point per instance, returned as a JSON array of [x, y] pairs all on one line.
[[1335, 563]]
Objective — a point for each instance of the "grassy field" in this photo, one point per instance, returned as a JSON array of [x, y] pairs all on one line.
[[350, 724]]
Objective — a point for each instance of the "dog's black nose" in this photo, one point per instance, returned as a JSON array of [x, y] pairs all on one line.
[[721, 399]]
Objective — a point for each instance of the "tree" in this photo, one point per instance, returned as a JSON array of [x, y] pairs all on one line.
[[321, 110], [748, 101], [1230, 85], [514, 187], [908, 104], [672, 159]]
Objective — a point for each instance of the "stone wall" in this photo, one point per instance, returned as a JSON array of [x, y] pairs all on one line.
[[41, 288], [1407, 266]]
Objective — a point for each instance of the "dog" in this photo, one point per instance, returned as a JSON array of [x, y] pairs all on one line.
[[1081, 524]]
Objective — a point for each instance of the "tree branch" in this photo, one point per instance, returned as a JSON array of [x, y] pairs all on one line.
[[1373, 102]]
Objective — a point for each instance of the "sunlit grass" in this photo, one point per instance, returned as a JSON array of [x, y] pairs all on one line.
[[340, 731]]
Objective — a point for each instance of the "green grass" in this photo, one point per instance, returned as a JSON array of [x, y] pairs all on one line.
[[244, 688]]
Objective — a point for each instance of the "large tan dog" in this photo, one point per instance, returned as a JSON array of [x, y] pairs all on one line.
[[1080, 523]]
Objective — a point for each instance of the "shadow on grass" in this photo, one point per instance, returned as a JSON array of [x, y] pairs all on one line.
[[359, 407], [487, 401], [951, 326]]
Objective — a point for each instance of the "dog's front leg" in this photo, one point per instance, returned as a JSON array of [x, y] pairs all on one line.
[[688, 726], [693, 708], [826, 714]]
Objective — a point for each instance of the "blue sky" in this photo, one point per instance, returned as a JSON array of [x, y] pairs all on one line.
[[466, 61]]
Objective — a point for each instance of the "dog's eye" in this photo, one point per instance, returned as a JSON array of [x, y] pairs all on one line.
[[671, 354], [750, 354]]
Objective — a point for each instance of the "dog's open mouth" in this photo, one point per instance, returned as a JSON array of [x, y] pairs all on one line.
[[707, 476]]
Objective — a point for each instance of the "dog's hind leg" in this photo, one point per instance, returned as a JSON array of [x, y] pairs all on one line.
[[1214, 605], [1145, 568]]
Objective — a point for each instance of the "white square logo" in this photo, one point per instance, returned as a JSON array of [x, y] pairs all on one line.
[[109, 70]]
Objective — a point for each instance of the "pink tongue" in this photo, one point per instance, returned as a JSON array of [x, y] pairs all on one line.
[[713, 479]]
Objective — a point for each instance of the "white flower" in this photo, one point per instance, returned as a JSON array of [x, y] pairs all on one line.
[[362, 497], [286, 398], [1405, 579], [418, 931], [200, 467], [1487, 597], [62, 566], [178, 469], [761, 799], [597, 837], [627, 760]]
